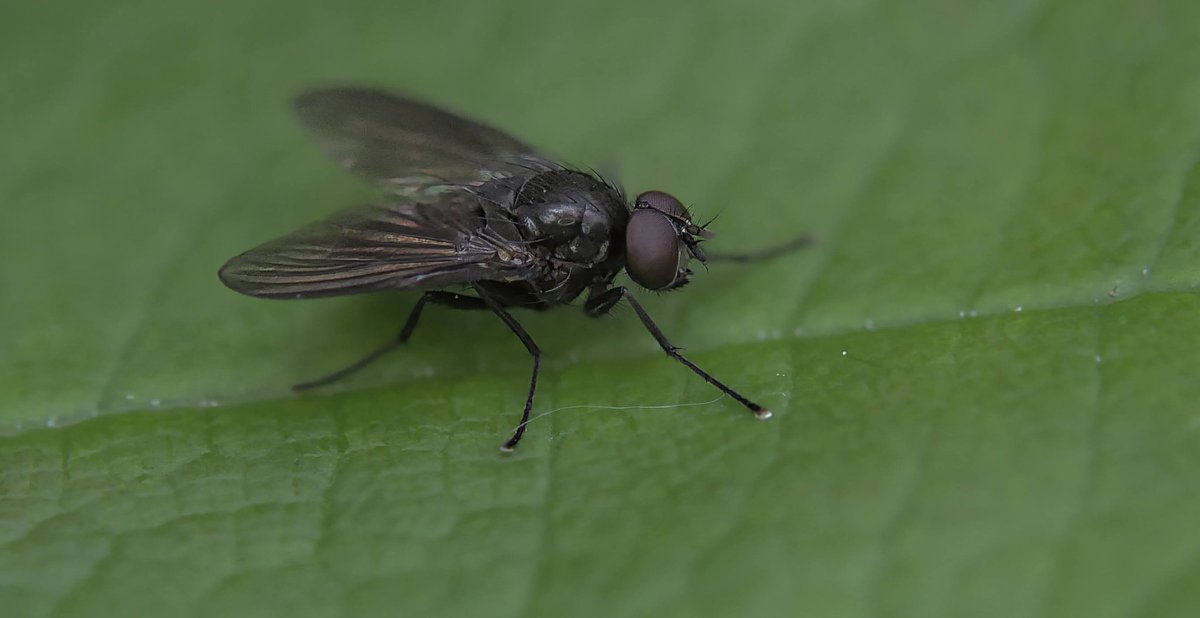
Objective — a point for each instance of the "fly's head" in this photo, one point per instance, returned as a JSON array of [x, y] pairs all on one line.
[[660, 241]]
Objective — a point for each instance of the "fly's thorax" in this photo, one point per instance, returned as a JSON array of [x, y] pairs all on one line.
[[575, 216]]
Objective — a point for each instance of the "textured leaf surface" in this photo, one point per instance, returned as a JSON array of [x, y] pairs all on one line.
[[984, 372]]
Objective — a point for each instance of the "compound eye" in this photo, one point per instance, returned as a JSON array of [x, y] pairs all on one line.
[[664, 203], [651, 249]]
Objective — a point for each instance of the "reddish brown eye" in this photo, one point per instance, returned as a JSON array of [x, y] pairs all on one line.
[[651, 249], [663, 202]]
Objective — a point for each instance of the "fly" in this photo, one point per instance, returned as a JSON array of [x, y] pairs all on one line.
[[472, 209]]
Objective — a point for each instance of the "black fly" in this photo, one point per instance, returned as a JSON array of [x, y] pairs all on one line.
[[470, 206]]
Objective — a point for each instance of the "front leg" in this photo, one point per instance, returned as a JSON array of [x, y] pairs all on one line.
[[767, 253], [600, 304]]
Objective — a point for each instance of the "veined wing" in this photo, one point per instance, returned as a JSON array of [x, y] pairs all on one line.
[[368, 248], [412, 147]]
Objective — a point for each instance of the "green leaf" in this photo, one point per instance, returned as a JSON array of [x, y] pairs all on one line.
[[983, 373]]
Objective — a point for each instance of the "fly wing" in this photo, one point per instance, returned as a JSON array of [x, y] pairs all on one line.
[[368, 248], [410, 146]]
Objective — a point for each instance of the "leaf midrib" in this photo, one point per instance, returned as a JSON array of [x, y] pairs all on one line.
[[563, 363]]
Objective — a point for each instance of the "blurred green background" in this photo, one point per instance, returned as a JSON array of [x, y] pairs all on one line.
[[983, 373]]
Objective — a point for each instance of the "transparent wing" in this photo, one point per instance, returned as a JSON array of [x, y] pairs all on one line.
[[408, 145], [368, 248]]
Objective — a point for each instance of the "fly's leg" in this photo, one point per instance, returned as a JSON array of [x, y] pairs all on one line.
[[534, 351], [604, 302], [782, 248], [449, 299]]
